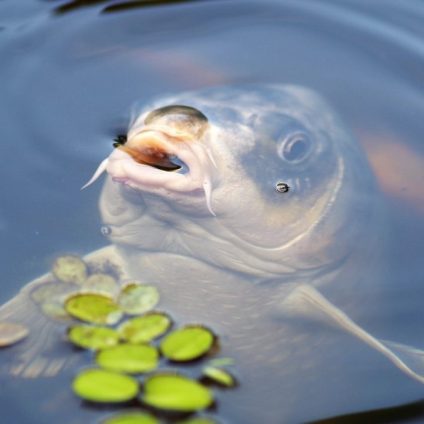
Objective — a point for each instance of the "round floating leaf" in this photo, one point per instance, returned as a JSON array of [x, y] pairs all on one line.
[[176, 393], [129, 358], [220, 376], [145, 328], [102, 283], [70, 269], [187, 343], [138, 298], [131, 418], [11, 333], [94, 308], [90, 337], [104, 386]]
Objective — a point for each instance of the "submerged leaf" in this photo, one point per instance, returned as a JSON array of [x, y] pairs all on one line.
[[94, 308], [198, 420], [11, 333], [55, 310], [129, 358], [187, 343], [176, 393], [145, 328], [131, 418], [138, 298], [221, 362], [104, 386], [220, 376], [90, 337], [70, 269], [102, 283], [52, 292]]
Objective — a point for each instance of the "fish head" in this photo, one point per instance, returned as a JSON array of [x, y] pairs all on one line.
[[200, 174]]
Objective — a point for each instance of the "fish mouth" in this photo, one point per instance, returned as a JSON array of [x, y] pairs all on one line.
[[157, 159]]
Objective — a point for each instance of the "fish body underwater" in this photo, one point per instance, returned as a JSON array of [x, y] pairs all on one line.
[[283, 278]]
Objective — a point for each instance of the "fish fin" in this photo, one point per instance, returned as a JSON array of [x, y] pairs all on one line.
[[43, 353], [99, 171], [307, 301]]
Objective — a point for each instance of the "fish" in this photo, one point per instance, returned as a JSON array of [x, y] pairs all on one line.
[[289, 280]]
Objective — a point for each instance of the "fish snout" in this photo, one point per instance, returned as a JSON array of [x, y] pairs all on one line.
[[178, 120]]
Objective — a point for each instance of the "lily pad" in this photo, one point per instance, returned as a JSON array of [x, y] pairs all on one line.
[[129, 358], [136, 298], [70, 269], [220, 376], [91, 337], [104, 386], [94, 308], [187, 343], [11, 333], [145, 328], [175, 392], [131, 418], [102, 283]]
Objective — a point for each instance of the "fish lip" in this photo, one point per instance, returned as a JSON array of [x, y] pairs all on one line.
[[171, 133], [124, 169]]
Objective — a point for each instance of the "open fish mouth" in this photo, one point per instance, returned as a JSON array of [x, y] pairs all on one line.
[[155, 158]]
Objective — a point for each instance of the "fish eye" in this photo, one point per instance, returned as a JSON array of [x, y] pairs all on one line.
[[295, 148]]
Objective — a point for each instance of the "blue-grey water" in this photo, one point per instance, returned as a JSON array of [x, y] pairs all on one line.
[[70, 72]]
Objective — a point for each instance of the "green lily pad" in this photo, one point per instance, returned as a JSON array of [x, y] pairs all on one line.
[[175, 393], [90, 337], [129, 358], [70, 269], [187, 343], [11, 333], [220, 376], [102, 283], [94, 308], [138, 298], [145, 328], [131, 418], [104, 386]]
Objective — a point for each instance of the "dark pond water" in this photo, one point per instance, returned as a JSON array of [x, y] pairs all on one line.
[[70, 73]]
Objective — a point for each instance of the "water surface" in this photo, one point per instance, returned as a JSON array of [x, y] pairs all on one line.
[[70, 75]]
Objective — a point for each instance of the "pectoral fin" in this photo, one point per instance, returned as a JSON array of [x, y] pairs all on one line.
[[44, 352], [306, 301], [34, 356]]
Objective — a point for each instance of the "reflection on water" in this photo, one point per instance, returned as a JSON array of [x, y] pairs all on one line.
[[410, 413], [116, 6], [69, 84]]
